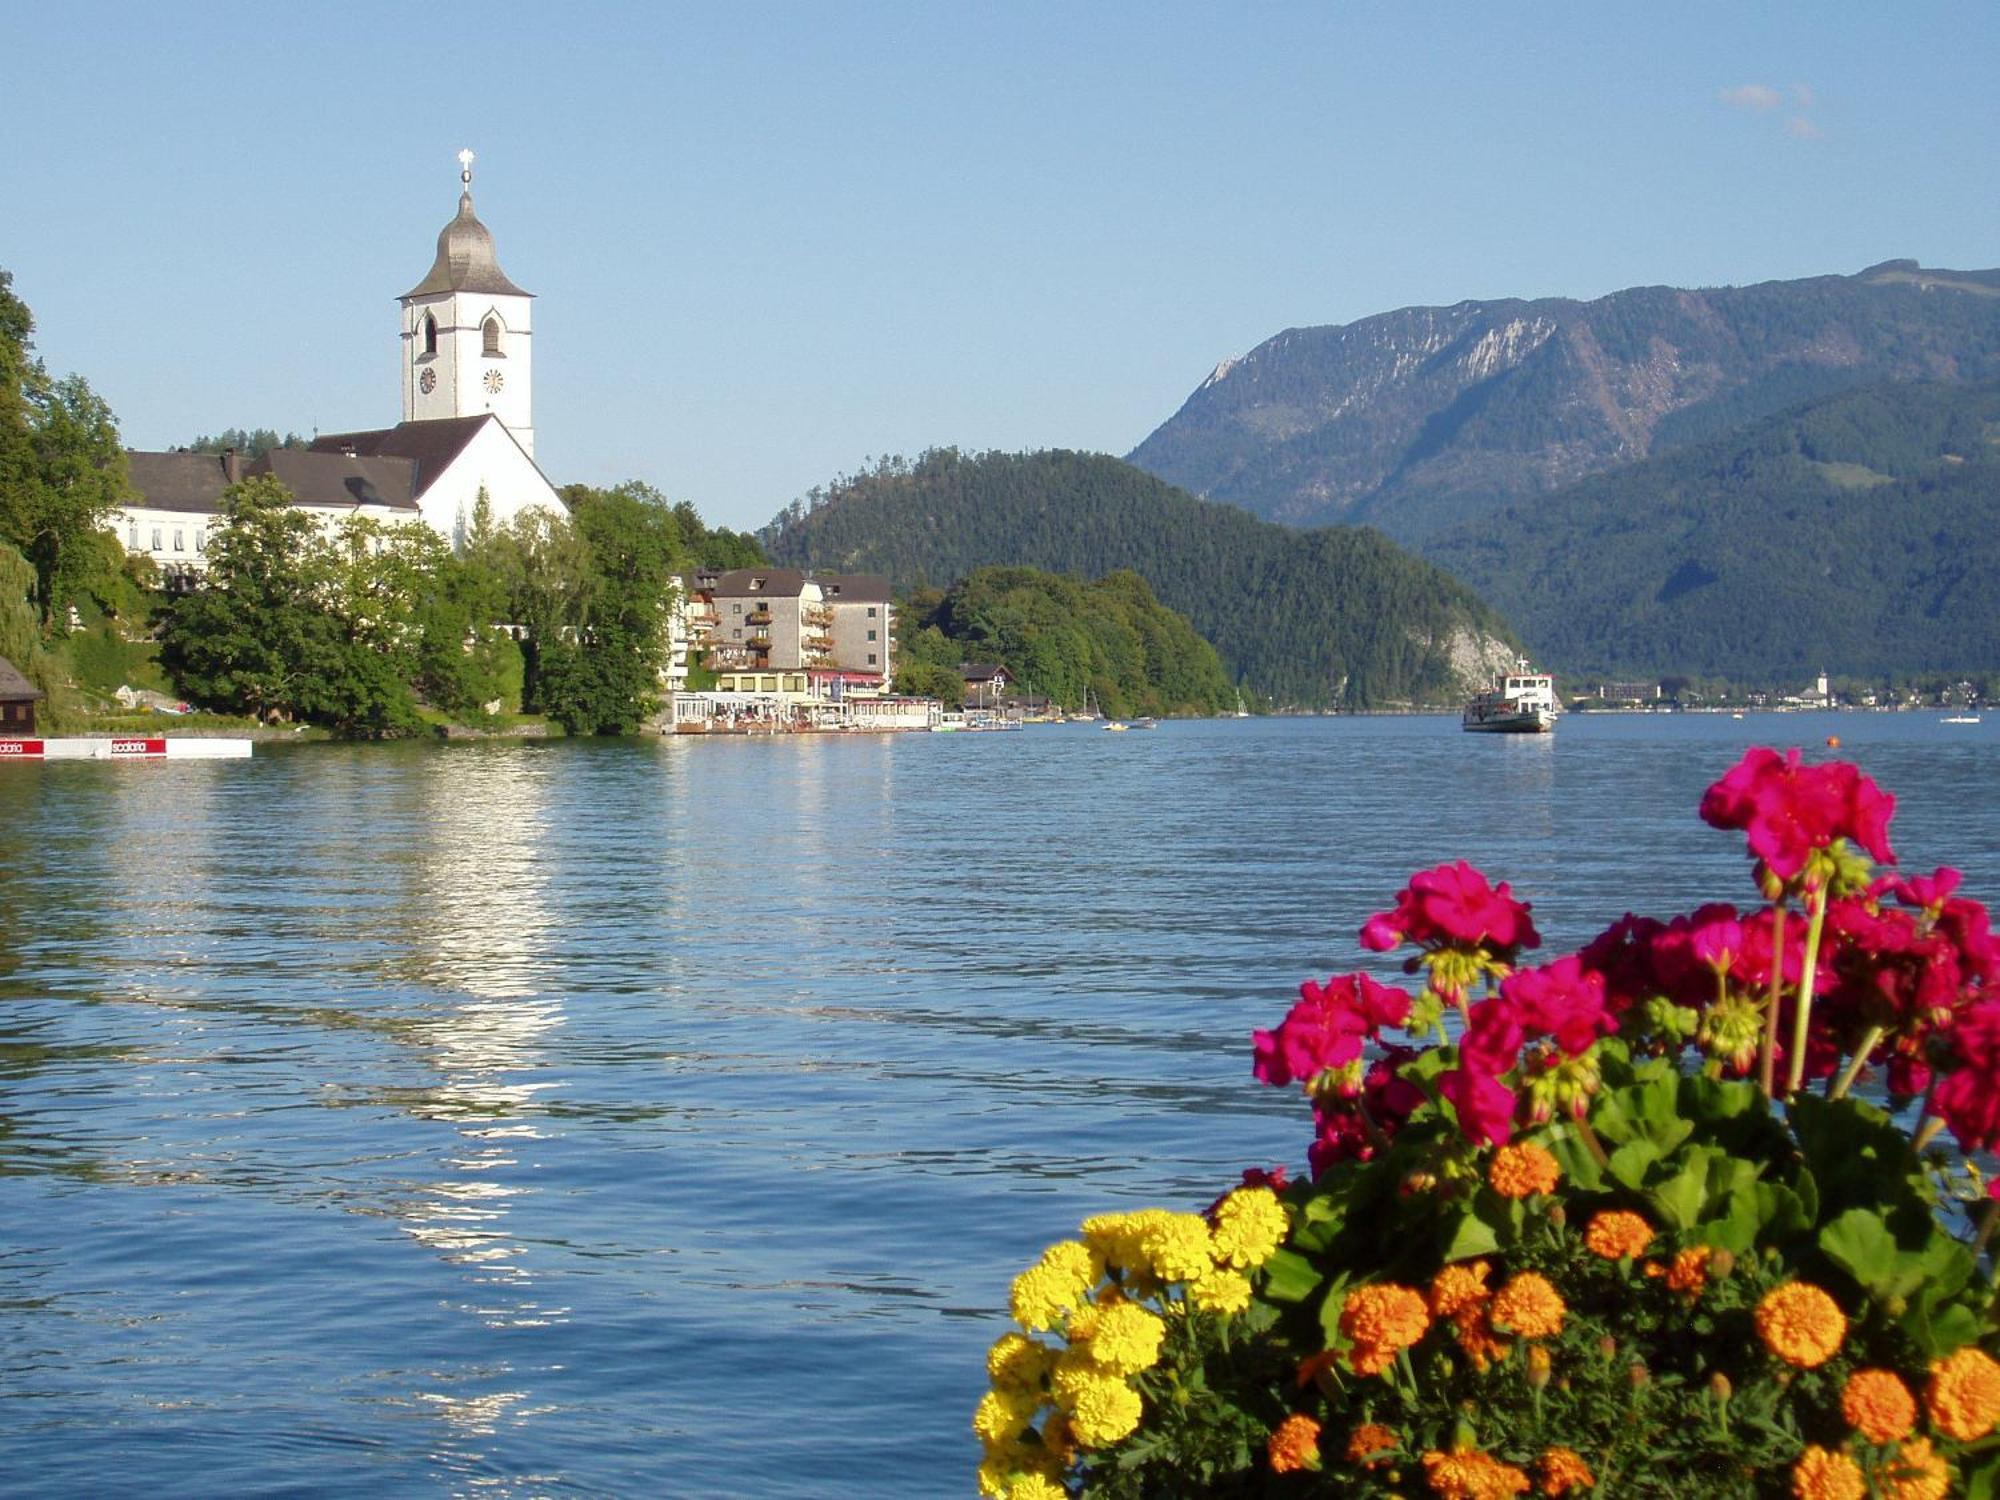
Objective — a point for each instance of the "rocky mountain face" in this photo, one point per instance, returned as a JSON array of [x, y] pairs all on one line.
[[1416, 420]]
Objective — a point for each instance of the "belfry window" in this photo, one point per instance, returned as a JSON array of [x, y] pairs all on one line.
[[491, 335], [430, 334]]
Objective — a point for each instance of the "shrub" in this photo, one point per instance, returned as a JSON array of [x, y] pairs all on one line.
[[1615, 1223]]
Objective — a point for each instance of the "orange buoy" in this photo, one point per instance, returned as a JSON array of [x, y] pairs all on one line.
[[1833, 742]]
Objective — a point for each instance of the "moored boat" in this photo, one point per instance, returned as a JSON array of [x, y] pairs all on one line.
[[1522, 702]]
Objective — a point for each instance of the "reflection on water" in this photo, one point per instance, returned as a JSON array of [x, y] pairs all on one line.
[[663, 1117]]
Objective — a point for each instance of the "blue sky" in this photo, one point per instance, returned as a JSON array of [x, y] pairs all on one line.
[[773, 240]]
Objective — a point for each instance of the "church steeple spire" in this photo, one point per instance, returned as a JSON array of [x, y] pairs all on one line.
[[466, 336]]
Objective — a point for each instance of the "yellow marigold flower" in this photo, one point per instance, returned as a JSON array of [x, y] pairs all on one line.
[[1689, 1272], [1003, 1416], [1018, 1363], [1528, 1305], [1523, 1170], [1459, 1286], [1468, 1474], [1036, 1487], [1058, 1441], [1823, 1475], [1369, 1444], [1221, 1292], [1115, 1238], [1102, 1408], [1175, 1247], [1800, 1324], [1563, 1470], [1385, 1315], [1125, 1338], [1917, 1472], [1006, 1467], [1964, 1396], [1294, 1445], [1878, 1405], [1250, 1225], [1618, 1235]]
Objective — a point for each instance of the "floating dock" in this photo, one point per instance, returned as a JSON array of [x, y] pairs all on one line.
[[125, 747]]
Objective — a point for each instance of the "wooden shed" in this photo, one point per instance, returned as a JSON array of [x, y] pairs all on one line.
[[18, 697]]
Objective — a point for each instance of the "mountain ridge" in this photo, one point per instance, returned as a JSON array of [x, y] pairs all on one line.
[[1416, 419]]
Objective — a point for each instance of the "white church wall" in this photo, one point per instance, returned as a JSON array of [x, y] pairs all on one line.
[[494, 461]]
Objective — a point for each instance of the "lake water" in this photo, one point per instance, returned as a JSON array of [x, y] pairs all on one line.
[[669, 1117]]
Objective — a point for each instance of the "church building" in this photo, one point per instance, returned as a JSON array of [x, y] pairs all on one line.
[[467, 372]]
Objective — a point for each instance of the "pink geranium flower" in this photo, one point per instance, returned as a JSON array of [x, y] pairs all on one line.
[[1485, 1105], [1788, 809], [1325, 1030], [1453, 904], [1562, 1000]]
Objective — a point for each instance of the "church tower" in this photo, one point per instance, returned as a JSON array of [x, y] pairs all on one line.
[[467, 344]]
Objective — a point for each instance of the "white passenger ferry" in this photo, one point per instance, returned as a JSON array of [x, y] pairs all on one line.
[[1524, 702]]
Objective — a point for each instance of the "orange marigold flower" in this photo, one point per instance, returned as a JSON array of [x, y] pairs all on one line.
[[1294, 1445], [1521, 1171], [1370, 1442], [1878, 1405], [1459, 1286], [1917, 1472], [1689, 1272], [1563, 1470], [1823, 1475], [1381, 1319], [1468, 1474], [1618, 1235], [1964, 1397], [1528, 1305], [1800, 1324], [1474, 1330]]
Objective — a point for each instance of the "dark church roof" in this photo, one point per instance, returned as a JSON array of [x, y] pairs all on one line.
[[465, 260], [430, 446], [14, 688], [194, 482]]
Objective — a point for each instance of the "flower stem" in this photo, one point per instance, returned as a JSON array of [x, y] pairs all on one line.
[[1987, 1223], [1592, 1144], [1767, 1061], [1927, 1132], [1795, 1072], [1867, 1044]]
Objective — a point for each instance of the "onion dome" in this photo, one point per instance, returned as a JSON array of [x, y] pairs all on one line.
[[465, 259]]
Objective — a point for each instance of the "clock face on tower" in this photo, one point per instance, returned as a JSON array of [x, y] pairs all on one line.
[[428, 381], [494, 381]]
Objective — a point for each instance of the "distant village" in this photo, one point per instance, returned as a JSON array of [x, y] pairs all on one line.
[[785, 648]]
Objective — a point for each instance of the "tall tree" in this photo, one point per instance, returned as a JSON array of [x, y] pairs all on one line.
[[62, 468]]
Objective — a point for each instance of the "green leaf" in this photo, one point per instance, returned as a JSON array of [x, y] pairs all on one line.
[[1681, 1198], [1472, 1236], [1861, 1245], [1290, 1277], [1631, 1161]]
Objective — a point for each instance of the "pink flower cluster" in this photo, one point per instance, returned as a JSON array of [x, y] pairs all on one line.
[[1453, 905], [1789, 809], [1907, 975], [1319, 1044]]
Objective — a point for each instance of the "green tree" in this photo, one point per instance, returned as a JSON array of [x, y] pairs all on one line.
[[62, 468]]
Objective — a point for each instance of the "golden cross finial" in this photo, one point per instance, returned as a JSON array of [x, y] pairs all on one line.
[[465, 167]]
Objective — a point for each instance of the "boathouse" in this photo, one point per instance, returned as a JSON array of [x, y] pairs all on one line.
[[18, 697]]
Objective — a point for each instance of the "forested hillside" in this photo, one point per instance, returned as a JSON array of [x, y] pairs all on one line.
[[1418, 419], [1109, 643], [1339, 617], [1860, 533]]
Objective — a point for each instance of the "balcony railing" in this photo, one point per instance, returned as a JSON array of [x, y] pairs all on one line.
[[758, 617]]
